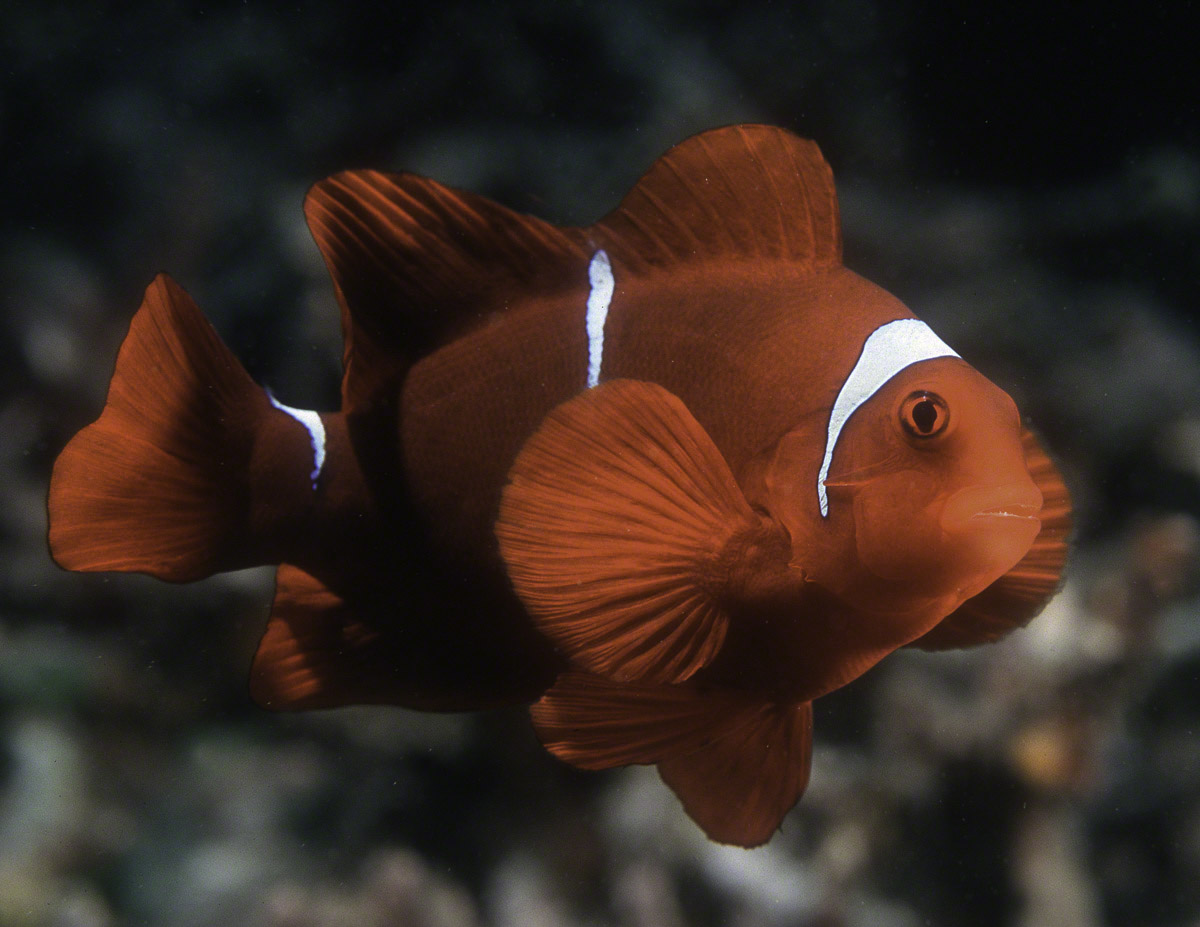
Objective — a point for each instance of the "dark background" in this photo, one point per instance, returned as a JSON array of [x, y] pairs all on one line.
[[1027, 181]]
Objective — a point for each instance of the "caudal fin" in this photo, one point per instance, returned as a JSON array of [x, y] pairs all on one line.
[[161, 483]]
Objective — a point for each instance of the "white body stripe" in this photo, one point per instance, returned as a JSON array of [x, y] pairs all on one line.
[[887, 351], [600, 278], [316, 433]]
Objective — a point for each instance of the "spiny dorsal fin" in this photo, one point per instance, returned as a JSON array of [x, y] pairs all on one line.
[[414, 261], [743, 191]]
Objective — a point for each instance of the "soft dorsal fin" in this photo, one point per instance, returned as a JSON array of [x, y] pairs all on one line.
[[744, 191], [414, 261]]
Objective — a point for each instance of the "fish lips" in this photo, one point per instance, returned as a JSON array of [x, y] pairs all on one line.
[[1009, 508]]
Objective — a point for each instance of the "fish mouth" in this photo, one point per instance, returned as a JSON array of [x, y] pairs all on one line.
[[1015, 504], [1019, 510]]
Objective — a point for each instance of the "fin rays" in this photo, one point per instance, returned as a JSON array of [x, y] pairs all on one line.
[[414, 261], [738, 192], [165, 481], [738, 763], [616, 511]]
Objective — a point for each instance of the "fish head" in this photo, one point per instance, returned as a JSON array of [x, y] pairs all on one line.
[[931, 471], [928, 493]]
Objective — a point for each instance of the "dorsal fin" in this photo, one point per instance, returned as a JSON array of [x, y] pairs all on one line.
[[745, 191], [414, 261]]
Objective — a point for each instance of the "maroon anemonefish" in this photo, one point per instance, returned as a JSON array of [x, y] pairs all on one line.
[[668, 478]]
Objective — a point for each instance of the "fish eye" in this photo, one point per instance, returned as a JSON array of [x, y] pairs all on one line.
[[924, 414]]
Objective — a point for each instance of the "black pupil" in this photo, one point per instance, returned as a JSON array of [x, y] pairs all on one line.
[[924, 416]]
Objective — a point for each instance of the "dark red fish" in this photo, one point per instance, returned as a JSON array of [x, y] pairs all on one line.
[[669, 477]]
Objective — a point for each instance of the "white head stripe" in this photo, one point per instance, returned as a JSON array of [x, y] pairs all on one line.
[[316, 433], [887, 351], [600, 278]]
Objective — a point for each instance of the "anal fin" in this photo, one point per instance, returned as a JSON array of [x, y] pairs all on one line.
[[374, 636], [314, 650]]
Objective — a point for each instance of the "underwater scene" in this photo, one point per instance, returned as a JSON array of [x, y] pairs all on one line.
[[667, 464]]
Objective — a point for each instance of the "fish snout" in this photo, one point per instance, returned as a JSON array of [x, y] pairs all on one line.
[[1012, 506]]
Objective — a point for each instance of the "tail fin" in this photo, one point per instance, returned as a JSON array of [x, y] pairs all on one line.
[[161, 483]]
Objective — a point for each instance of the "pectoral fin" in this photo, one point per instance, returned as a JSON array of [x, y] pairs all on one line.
[[623, 529]]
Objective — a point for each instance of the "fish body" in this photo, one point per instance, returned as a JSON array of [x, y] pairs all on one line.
[[473, 403], [669, 477]]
